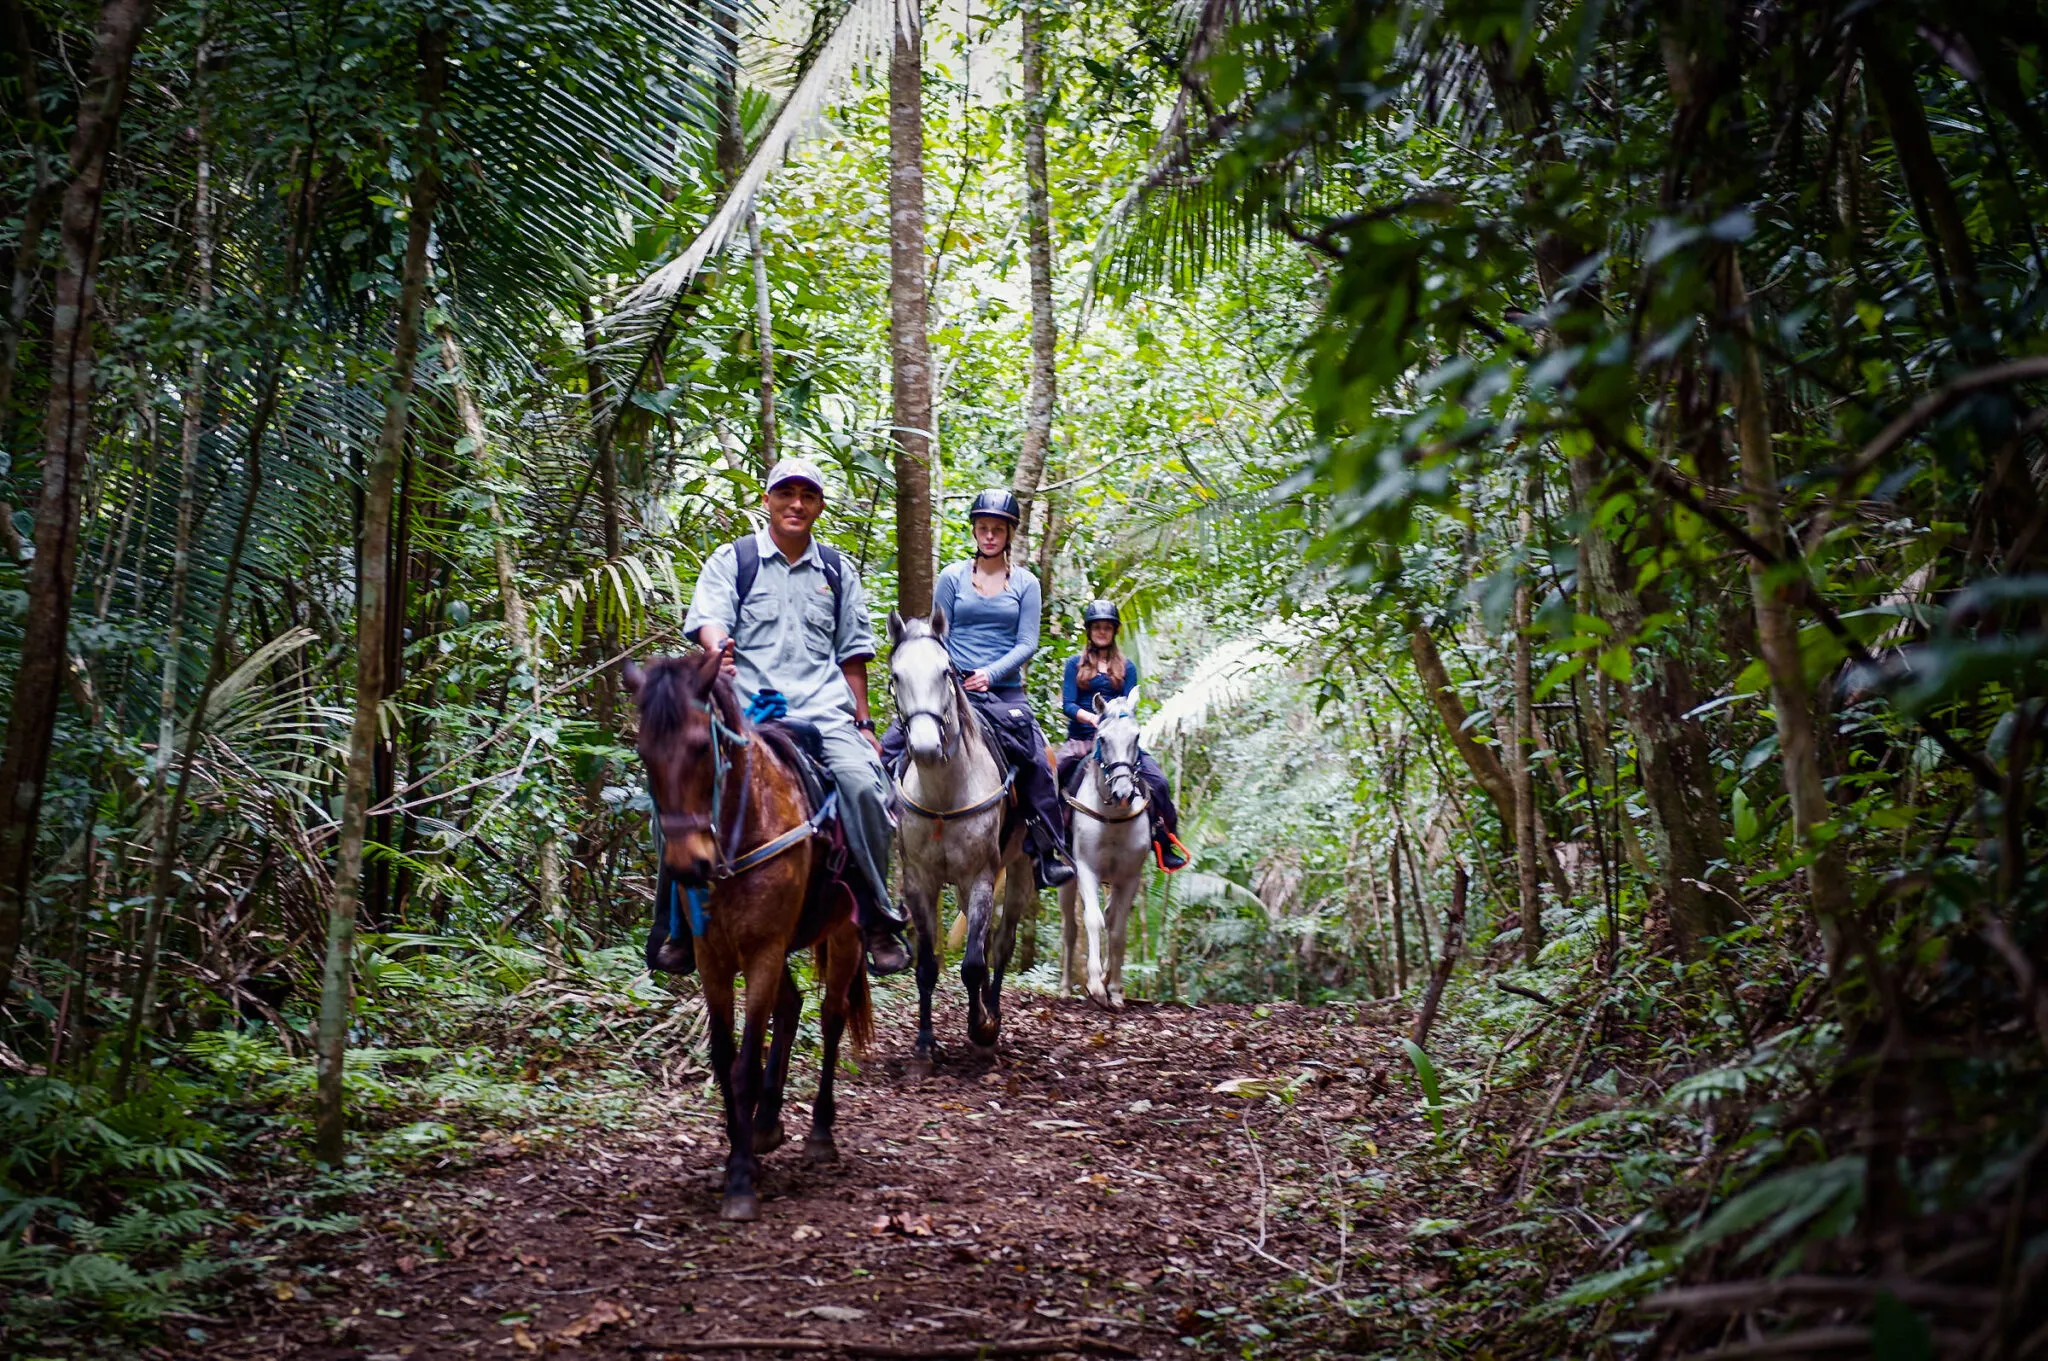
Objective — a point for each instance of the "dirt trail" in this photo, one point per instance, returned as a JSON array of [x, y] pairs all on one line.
[[1093, 1181]]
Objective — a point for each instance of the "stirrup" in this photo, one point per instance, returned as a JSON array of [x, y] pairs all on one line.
[[1170, 842]]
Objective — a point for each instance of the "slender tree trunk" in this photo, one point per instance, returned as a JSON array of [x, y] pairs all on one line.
[[1524, 752], [40, 677], [1032, 455], [1454, 940], [375, 601], [909, 345], [1928, 184], [1672, 754], [1394, 903], [510, 599], [142, 1015], [764, 341], [216, 665], [1777, 628], [35, 216], [1486, 767], [488, 468]]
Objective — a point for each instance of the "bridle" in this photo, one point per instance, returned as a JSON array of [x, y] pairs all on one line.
[[728, 861], [1108, 769], [953, 733]]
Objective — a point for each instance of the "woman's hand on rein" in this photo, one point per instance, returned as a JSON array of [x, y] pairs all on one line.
[[976, 681], [1086, 717]]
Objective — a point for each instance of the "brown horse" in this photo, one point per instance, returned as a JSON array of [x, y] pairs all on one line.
[[741, 844]]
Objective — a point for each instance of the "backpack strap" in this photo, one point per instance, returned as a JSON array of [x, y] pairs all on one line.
[[747, 567]]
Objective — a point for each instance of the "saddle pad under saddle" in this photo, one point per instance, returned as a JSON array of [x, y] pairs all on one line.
[[799, 744]]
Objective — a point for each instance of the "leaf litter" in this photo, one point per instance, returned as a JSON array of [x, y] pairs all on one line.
[[1107, 1173]]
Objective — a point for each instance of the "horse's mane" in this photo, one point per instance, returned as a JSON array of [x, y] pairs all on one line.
[[668, 691], [663, 697]]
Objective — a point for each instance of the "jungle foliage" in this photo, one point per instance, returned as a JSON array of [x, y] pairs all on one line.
[[1584, 453]]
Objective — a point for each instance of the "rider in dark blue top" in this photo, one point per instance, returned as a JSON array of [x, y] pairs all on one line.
[[1104, 671], [1077, 697]]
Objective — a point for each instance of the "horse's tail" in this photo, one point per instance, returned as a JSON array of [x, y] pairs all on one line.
[[860, 1002], [860, 1010]]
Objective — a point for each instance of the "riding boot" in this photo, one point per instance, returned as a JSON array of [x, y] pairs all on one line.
[[667, 952], [887, 953], [1166, 846], [1049, 868], [881, 932]]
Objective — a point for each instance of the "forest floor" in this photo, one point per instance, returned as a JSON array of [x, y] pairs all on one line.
[[1140, 1184]]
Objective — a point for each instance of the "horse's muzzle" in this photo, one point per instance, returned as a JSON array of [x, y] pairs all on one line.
[[925, 738]]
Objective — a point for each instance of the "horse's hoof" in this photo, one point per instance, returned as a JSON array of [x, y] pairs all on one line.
[[768, 1140], [740, 1209], [1100, 998], [920, 1065], [983, 1037], [820, 1151]]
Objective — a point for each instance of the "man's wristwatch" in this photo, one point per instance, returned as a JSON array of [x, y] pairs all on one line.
[[864, 724]]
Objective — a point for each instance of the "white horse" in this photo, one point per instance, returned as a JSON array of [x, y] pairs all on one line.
[[1111, 840], [955, 798]]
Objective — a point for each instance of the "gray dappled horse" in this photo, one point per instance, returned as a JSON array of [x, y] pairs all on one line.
[[955, 798], [1111, 841]]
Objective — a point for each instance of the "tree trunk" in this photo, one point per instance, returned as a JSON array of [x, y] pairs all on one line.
[[40, 677], [1672, 755], [142, 1009], [1524, 756], [1485, 766], [1400, 931], [35, 215], [909, 345], [1031, 456], [487, 463], [1777, 628], [764, 341], [375, 602], [1928, 184], [1454, 940]]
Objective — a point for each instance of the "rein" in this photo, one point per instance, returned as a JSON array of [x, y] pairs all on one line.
[[955, 739], [732, 862]]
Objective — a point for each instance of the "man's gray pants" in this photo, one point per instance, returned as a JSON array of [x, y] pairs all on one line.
[[863, 805]]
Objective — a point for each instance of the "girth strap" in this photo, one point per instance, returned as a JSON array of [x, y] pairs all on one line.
[[796, 835], [954, 814]]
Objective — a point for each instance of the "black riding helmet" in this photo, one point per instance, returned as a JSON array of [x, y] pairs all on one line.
[[1099, 611], [997, 502]]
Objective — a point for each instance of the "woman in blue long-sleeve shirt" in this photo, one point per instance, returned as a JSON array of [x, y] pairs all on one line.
[[1104, 671], [992, 617]]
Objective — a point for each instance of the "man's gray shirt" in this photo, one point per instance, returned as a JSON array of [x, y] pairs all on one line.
[[788, 638]]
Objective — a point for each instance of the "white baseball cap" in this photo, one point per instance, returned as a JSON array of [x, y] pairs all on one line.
[[795, 470]]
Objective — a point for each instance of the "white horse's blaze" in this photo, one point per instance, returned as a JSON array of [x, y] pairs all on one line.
[[1111, 841]]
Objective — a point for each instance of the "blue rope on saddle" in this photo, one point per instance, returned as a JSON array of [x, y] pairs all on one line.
[[768, 705]]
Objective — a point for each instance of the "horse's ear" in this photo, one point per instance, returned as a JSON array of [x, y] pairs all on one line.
[[1133, 698], [635, 676], [1101, 701], [895, 628], [938, 622]]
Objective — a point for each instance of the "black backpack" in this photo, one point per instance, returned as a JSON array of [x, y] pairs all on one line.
[[748, 566]]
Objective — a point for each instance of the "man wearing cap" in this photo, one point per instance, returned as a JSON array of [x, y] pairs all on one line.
[[798, 618]]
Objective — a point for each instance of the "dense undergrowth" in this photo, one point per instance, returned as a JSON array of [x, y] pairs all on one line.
[[121, 1215]]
